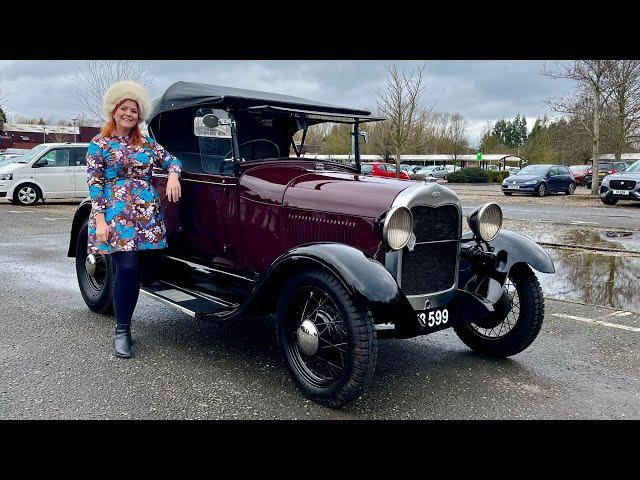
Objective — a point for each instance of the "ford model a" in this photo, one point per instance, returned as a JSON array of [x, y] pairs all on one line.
[[342, 259]]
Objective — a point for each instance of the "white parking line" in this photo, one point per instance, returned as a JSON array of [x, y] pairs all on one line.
[[57, 218], [22, 211], [597, 322], [578, 222]]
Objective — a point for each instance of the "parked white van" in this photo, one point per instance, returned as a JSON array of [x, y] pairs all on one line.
[[48, 171]]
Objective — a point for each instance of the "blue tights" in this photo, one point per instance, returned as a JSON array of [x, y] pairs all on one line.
[[127, 285]]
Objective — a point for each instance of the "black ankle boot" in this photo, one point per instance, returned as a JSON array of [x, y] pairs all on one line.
[[122, 341]]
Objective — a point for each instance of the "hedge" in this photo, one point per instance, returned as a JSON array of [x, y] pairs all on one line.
[[476, 175], [468, 175]]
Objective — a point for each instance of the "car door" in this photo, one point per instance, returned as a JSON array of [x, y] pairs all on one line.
[[554, 182], [54, 174], [567, 177], [79, 167], [198, 226]]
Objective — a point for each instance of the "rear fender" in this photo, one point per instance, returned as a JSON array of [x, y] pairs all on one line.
[[82, 213]]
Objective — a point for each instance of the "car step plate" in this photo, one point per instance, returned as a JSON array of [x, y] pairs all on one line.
[[188, 301]]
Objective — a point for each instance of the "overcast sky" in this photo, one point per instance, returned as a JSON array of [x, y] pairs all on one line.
[[480, 90]]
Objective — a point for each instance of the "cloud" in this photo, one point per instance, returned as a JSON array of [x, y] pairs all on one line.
[[480, 90]]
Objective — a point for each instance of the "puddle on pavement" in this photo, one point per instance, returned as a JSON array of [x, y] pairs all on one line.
[[616, 239], [592, 278]]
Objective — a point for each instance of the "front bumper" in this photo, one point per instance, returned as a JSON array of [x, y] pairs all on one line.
[[607, 192], [521, 188]]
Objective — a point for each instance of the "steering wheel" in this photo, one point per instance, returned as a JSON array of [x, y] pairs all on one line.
[[254, 141]]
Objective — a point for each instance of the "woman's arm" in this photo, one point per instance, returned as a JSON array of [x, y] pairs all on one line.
[[95, 180], [172, 165]]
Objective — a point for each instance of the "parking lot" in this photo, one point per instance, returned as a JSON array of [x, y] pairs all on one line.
[[57, 363]]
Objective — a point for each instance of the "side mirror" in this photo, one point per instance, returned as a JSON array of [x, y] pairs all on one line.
[[40, 163], [365, 136], [210, 120]]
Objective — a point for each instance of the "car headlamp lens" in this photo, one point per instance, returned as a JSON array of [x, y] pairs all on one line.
[[397, 229], [486, 221], [6, 176]]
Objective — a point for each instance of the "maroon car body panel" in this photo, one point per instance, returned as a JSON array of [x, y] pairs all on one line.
[[271, 208]]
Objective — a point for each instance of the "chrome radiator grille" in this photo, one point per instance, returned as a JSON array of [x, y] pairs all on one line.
[[432, 265], [622, 184]]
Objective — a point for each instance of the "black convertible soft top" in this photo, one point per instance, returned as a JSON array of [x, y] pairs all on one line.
[[188, 94]]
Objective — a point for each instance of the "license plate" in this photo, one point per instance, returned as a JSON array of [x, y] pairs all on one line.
[[513, 187], [434, 318], [621, 192]]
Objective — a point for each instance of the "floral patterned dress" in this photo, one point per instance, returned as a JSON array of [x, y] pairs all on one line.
[[119, 179]]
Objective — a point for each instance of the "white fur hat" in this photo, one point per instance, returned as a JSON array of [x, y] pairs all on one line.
[[127, 90]]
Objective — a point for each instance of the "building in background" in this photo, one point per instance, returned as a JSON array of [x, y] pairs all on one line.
[[28, 136]]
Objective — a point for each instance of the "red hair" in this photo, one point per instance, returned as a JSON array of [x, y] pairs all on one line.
[[109, 128]]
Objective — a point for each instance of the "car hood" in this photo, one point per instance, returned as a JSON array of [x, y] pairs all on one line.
[[347, 194], [633, 176], [523, 178], [11, 167]]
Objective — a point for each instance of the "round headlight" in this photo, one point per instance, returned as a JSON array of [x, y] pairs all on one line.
[[397, 229], [486, 221]]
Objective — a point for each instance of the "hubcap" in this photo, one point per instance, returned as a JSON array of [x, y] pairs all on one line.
[[308, 340], [90, 264], [27, 195]]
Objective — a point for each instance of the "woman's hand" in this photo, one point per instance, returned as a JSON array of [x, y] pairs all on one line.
[[173, 188], [102, 229]]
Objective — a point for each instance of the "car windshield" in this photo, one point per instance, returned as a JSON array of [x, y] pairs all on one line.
[[366, 168], [31, 154], [635, 167], [605, 167], [534, 170]]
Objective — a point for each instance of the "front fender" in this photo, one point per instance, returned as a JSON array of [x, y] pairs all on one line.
[[363, 276], [510, 248]]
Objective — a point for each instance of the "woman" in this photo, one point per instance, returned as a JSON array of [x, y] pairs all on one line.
[[125, 216]]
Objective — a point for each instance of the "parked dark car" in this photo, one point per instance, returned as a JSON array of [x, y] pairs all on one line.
[[580, 172], [604, 169], [621, 186], [540, 180], [381, 169], [342, 259]]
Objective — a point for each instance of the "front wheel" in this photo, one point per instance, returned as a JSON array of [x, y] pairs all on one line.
[[27, 194], [516, 322], [609, 201], [328, 341], [542, 190], [96, 275]]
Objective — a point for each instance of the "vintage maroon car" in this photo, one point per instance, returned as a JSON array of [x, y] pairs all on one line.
[[341, 258]]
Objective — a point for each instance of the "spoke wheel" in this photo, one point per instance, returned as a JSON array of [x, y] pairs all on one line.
[[542, 190], [328, 341], [571, 190], [517, 321], [316, 339]]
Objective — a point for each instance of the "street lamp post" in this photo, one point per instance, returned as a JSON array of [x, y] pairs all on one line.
[[44, 129], [74, 129]]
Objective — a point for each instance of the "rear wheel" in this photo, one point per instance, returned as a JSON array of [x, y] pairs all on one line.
[[516, 321], [572, 189], [328, 341], [96, 275]]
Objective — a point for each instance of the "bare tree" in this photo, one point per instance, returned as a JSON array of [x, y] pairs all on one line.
[[595, 82], [400, 104], [96, 76], [457, 135], [3, 114], [625, 100]]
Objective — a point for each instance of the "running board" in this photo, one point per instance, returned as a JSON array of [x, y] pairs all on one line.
[[191, 302]]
